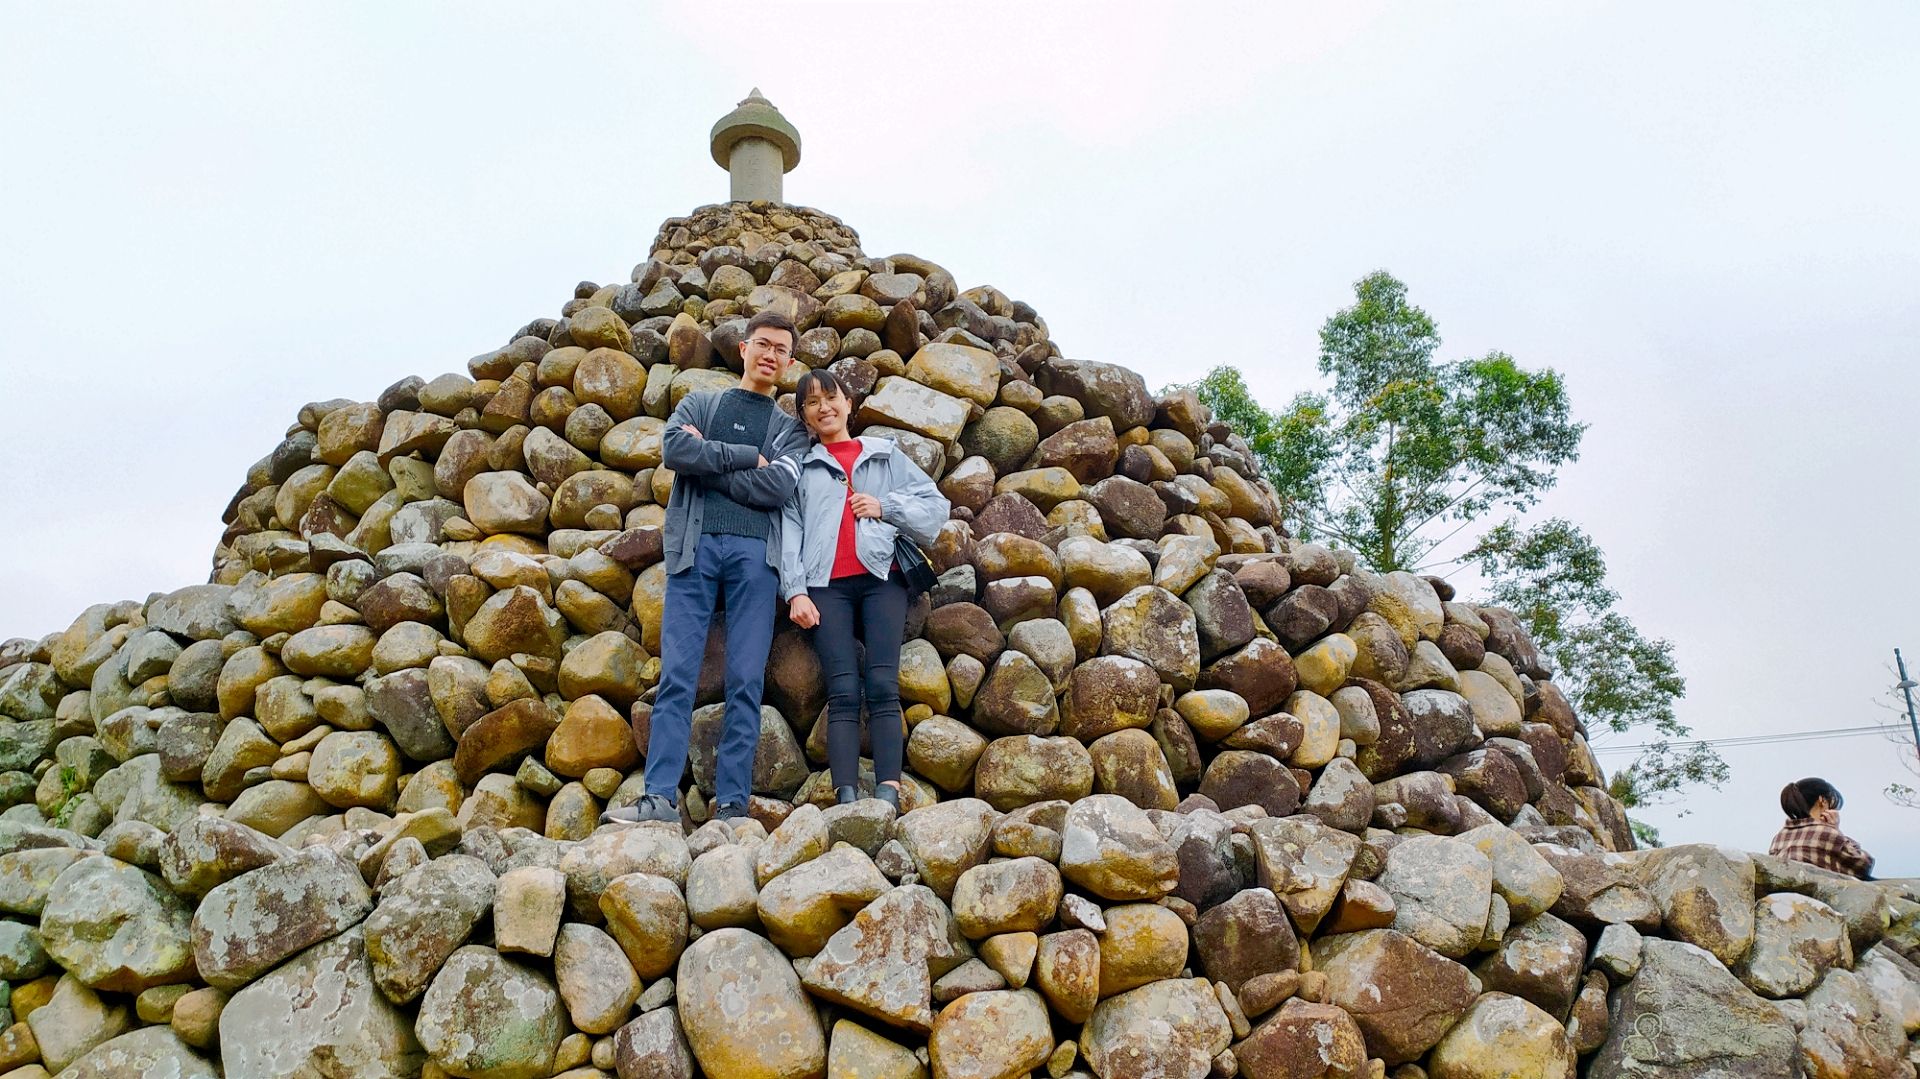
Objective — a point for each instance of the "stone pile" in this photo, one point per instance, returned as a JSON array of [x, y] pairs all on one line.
[[1186, 797]]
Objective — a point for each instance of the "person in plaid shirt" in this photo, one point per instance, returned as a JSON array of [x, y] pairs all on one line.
[[1812, 832]]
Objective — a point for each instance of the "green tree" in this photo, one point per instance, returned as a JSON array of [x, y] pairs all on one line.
[[1402, 445], [1553, 576], [1404, 458]]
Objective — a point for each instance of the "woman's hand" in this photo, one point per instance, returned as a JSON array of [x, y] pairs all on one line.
[[864, 505], [802, 612]]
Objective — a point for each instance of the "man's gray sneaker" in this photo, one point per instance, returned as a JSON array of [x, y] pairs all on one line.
[[729, 811], [650, 807]]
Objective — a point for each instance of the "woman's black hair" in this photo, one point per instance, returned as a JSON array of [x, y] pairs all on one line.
[[817, 379], [1797, 798]]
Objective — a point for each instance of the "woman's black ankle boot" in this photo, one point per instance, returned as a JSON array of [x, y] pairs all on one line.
[[889, 794], [846, 794]]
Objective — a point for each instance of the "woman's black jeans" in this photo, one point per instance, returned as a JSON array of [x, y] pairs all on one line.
[[873, 611]]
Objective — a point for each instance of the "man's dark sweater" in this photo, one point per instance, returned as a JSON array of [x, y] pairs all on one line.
[[742, 419]]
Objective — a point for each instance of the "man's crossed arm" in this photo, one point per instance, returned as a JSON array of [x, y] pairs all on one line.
[[758, 482]]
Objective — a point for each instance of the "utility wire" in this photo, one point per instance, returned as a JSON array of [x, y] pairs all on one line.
[[1763, 739]]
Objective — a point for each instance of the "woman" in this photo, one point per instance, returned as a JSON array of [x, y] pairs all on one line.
[[1812, 832], [854, 497]]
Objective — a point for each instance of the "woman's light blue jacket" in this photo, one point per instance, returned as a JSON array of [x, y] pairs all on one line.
[[810, 521]]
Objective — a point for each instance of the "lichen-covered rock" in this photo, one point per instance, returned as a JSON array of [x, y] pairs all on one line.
[[804, 907], [1304, 863], [249, 924], [116, 927], [853, 1050], [1441, 888], [488, 1016], [1111, 848], [591, 863], [1705, 895], [1850, 1032], [206, 852], [1172, 1028], [1244, 937], [1527, 881], [992, 1034], [318, 1011], [1015, 896], [1143, 943], [1540, 961], [1500, 1036], [946, 840], [72, 1020], [1684, 1016], [421, 919], [155, 1051], [1796, 940], [1404, 995], [744, 1012], [884, 963], [1304, 1041], [595, 979]]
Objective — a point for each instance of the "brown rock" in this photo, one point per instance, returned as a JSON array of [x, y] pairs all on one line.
[[1304, 1041], [1107, 694], [1261, 672], [1403, 995], [498, 740]]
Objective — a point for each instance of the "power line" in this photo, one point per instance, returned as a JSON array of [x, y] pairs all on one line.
[[1762, 739]]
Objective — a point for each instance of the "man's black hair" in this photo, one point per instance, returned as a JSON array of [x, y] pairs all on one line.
[[775, 320]]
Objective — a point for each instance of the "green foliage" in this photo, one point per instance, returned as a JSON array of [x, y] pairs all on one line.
[[1404, 453], [1403, 445], [1553, 576], [1288, 448], [62, 810]]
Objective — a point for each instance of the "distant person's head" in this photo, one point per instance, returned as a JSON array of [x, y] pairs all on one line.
[[765, 350], [1811, 798], [823, 405]]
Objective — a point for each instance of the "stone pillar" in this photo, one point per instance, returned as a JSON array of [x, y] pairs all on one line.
[[755, 170], [757, 147]]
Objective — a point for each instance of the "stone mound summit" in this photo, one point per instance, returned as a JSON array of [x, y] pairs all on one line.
[[1185, 797]]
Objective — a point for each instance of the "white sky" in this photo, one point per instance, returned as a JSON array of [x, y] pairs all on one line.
[[1701, 214]]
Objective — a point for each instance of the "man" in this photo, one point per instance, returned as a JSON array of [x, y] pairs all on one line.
[[729, 454]]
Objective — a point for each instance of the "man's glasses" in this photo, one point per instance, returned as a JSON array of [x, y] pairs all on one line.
[[761, 344]]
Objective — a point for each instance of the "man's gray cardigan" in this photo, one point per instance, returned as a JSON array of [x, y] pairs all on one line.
[[699, 463]]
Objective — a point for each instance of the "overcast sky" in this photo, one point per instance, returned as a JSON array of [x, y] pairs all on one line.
[[1702, 214]]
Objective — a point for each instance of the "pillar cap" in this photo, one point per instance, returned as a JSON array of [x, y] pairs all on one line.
[[756, 118]]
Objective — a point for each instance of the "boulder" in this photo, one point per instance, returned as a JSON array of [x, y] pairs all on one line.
[[318, 1014], [884, 963], [1304, 1040], [1684, 1016], [1501, 1036], [148, 1051], [744, 1012], [116, 927], [990, 1035], [1111, 848], [486, 1015], [1172, 1029], [251, 923], [1539, 960], [1404, 995], [422, 917], [1304, 863], [1705, 895], [1796, 940]]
